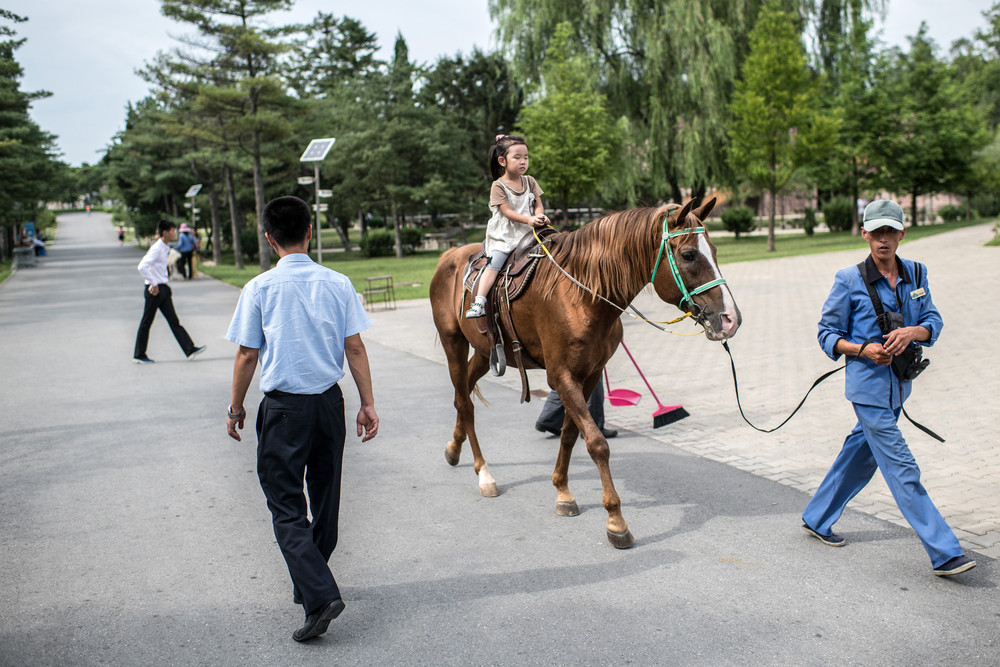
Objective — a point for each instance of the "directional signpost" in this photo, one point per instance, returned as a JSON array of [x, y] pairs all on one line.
[[316, 152]]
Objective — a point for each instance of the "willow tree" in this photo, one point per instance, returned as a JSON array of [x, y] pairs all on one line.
[[573, 139], [668, 69], [778, 124]]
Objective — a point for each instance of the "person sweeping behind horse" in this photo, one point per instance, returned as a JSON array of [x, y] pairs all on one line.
[[516, 202]]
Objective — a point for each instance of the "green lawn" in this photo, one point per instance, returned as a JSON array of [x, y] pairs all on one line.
[[411, 274], [5, 269]]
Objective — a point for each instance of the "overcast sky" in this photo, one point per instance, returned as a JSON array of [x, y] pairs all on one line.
[[86, 51]]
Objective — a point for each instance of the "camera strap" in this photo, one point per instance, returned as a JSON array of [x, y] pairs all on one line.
[[879, 310]]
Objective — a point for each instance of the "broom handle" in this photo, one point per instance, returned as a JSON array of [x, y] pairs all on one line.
[[640, 373], [606, 381]]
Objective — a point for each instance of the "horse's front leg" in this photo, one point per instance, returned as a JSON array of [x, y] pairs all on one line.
[[576, 409]]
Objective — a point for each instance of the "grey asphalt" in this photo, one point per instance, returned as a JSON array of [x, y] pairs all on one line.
[[134, 531]]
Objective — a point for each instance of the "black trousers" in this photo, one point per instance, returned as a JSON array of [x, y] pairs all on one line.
[[303, 435], [184, 264], [553, 413], [165, 304]]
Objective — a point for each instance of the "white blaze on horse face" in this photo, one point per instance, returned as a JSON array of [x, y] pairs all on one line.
[[729, 315]]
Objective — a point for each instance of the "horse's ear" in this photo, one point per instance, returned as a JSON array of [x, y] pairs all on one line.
[[703, 211], [679, 217]]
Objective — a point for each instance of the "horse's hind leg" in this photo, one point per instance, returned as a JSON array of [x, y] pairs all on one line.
[[565, 502], [464, 375], [478, 366]]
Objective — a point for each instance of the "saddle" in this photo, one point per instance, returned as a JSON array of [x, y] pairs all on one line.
[[498, 324]]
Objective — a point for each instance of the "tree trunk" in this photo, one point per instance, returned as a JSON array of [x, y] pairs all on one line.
[[855, 222], [913, 208], [264, 250], [341, 228], [398, 229], [362, 223], [215, 212], [234, 216], [774, 196]]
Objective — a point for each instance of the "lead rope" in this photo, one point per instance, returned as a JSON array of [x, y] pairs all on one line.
[[736, 387]]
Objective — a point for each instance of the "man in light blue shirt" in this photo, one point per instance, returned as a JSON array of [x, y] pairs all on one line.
[[877, 394], [299, 320]]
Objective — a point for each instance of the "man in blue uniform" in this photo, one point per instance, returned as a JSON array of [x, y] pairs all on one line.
[[299, 320], [877, 394]]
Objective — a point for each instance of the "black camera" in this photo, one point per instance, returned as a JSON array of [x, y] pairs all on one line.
[[909, 363]]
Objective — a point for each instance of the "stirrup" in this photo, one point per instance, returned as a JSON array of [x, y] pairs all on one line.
[[477, 309], [498, 360]]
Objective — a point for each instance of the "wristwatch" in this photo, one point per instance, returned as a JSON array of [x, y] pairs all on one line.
[[236, 415]]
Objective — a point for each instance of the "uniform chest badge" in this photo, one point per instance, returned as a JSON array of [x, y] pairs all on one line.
[[917, 293]]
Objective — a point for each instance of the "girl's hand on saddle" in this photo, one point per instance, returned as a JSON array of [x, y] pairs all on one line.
[[539, 221]]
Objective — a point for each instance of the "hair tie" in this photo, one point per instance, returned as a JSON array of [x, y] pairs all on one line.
[[499, 137]]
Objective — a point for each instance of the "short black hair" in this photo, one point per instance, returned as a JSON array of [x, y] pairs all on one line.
[[286, 220], [164, 226]]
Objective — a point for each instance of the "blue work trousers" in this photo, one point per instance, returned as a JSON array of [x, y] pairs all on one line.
[[876, 442]]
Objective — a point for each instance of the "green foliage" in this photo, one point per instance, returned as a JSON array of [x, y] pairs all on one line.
[[837, 214], [248, 242], [987, 204], [382, 242], [778, 125], [951, 213], [927, 134], [739, 220], [667, 68], [809, 220], [378, 243], [571, 135], [29, 170]]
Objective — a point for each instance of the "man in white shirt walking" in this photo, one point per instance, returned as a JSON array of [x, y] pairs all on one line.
[[153, 268]]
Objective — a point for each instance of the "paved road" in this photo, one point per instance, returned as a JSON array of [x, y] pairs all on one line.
[[134, 530]]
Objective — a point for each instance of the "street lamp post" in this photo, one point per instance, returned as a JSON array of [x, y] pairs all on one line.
[[316, 152], [191, 193]]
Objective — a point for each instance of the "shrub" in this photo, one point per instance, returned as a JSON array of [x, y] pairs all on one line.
[[248, 242], [986, 205], [411, 238], [738, 220], [378, 243], [951, 213], [809, 221], [837, 213]]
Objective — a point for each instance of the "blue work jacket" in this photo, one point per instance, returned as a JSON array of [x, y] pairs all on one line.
[[849, 314]]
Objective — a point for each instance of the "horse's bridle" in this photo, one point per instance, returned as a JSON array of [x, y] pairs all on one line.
[[675, 272]]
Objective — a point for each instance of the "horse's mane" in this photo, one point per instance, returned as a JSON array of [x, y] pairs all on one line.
[[612, 255]]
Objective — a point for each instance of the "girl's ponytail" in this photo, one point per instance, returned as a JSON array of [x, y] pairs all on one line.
[[499, 149]]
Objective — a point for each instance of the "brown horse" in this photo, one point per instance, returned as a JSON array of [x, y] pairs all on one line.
[[573, 333]]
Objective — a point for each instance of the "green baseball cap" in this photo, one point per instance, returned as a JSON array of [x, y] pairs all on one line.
[[883, 213]]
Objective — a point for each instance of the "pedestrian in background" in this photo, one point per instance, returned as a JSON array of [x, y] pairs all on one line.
[[550, 419], [849, 325], [157, 296], [186, 246], [299, 320]]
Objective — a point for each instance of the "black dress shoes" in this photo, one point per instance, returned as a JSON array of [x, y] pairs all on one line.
[[318, 621]]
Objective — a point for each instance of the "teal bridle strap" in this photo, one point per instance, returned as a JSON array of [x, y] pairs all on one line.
[[672, 263]]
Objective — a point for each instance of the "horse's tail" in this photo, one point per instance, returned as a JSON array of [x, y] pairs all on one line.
[[478, 394]]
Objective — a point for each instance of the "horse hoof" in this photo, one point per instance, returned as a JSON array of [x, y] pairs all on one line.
[[489, 490], [451, 453], [623, 540], [567, 508]]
